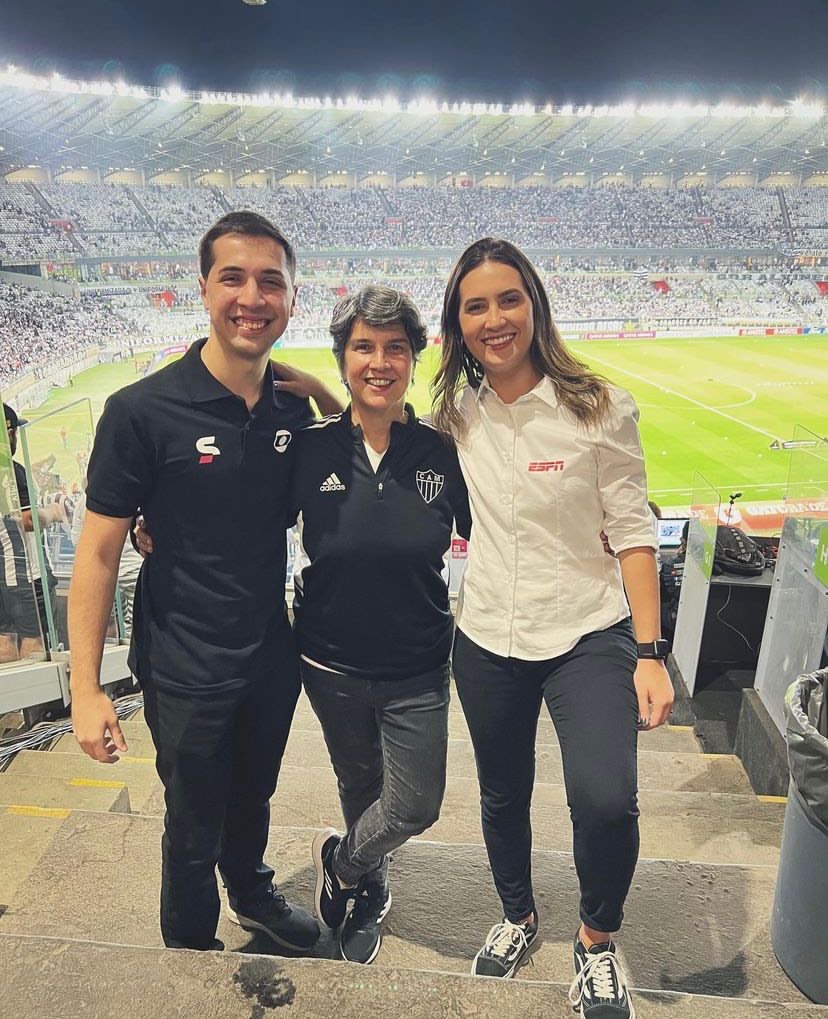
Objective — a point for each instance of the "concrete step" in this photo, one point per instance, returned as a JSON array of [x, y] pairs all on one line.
[[684, 826], [78, 980], [25, 832], [138, 774], [75, 793], [679, 739], [712, 921], [680, 772], [656, 769], [673, 738], [706, 827], [308, 745]]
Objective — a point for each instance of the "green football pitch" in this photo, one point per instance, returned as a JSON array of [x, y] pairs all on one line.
[[709, 407]]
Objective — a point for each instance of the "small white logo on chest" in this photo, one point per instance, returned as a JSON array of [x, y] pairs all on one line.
[[206, 445], [281, 440], [430, 484], [332, 484]]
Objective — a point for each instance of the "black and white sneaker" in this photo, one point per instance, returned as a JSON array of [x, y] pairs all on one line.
[[599, 990], [361, 936], [289, 926], [330, 900], [505, 948]]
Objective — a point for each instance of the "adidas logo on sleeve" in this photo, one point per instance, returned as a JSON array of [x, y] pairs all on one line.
[[332, 484]]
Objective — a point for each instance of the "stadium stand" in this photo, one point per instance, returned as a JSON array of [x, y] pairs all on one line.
[[110, 219]]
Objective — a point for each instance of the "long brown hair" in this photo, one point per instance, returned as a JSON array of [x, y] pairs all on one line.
[[583, 392]]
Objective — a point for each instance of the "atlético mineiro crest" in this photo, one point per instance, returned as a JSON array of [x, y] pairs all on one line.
[[430, 484]]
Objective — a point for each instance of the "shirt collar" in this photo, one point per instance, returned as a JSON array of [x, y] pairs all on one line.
[[204, 387], [543, 391], [397, 427]]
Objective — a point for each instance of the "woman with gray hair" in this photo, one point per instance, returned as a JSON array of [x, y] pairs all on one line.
[[377, 494]]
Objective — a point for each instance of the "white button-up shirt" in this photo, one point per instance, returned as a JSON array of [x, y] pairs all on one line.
[[542, 487]]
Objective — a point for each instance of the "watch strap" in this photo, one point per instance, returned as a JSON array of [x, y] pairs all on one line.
[[657, 649]]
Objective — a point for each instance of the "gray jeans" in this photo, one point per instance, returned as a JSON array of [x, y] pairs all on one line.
[[387, 743]]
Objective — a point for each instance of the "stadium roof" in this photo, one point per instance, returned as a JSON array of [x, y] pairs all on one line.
[[56, 123]]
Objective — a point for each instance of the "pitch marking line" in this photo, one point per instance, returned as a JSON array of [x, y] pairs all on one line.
[[682, 396], [689, 488]]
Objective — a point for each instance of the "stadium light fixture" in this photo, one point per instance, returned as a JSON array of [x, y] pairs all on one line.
[[802, 107], [13, 77]]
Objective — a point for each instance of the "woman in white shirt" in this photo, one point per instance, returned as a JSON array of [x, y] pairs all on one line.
[[551, 457]]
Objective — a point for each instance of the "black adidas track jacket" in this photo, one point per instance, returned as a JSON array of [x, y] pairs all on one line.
[[370, 598]]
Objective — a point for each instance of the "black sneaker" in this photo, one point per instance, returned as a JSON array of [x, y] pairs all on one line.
[[331, 900], [362, 933], [505, 948], [599, 990], [289, 926]]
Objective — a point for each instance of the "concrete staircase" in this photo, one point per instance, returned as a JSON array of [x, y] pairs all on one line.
[[81, 865]]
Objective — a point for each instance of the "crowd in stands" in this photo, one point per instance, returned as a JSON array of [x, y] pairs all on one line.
[[97, 220], [147, 298], [37, 327], [27, 228]]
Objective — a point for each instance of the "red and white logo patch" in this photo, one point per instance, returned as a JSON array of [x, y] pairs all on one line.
[[206, 445], [546, 465]]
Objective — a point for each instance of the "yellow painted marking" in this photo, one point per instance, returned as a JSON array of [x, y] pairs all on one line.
[[24, 810], [680, 728], [96, 783], [773, 799]]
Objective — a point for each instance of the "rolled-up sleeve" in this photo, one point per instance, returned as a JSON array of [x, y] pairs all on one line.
[[622, 479]]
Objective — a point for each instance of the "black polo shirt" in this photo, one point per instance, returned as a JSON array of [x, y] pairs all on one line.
[[211, 479]]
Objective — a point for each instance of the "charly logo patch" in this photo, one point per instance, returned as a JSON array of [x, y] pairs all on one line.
[[430, 484], [208, 449], [281, 440]]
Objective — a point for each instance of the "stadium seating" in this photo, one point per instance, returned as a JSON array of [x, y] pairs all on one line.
[[114, 219], [692, 270]]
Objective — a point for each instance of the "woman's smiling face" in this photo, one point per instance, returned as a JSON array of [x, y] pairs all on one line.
[[497, 321], [377, 363]]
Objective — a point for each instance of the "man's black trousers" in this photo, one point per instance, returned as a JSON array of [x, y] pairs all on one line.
[[218, 756]]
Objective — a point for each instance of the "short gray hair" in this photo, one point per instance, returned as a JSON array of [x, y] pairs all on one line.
[[379, 307]]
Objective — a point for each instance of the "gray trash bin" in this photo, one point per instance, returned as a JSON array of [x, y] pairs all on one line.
[[799, 928]]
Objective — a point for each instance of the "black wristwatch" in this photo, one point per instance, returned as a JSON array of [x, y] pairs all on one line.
[[657, 649]]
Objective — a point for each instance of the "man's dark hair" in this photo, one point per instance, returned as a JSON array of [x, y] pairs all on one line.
[[248, 224]]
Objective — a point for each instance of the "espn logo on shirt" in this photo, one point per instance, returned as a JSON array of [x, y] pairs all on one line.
[[546, 465]]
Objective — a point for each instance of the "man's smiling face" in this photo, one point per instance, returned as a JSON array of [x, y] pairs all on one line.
[[249, 294]]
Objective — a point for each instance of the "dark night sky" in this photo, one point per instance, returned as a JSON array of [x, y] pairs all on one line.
[[510, 50]]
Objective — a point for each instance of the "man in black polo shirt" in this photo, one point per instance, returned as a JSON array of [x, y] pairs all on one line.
[[203, 448]]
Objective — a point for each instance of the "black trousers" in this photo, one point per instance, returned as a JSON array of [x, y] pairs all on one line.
[[387, 742], [590, 695], [218, 756]]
